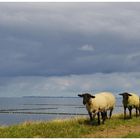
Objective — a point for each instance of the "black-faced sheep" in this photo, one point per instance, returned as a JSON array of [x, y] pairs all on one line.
[[130, 101], [95, 104]]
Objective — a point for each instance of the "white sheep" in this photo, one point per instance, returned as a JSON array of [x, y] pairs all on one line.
[[95, 104], [111, 101], [130, 101]]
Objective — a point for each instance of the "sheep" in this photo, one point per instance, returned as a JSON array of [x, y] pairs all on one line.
[[95, 104], [130, 101], [111, 101]]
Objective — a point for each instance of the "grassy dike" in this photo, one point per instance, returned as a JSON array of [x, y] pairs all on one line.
[[79, 127]]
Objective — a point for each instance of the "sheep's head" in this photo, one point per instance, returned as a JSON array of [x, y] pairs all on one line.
[[125, 95], [86, 97]]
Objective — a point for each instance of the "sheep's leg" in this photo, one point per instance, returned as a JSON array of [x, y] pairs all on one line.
[[90, 115], [139, 111], [110, 113], [124, 112], [130, 112], [105, 113], [98, 117], [136, 111], [103, 116]]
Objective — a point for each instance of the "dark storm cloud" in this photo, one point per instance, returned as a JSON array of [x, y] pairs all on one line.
[[67, 48], [47, 38]]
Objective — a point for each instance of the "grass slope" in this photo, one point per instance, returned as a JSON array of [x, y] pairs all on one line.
[[78, 127]]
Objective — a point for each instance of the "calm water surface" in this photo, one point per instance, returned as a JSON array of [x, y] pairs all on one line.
[[17, 110]]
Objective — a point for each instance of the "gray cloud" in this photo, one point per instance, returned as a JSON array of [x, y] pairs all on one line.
[[84, 18], [70, 85], [64, 39]]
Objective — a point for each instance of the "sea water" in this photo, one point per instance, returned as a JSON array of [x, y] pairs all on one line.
[[16, 110]]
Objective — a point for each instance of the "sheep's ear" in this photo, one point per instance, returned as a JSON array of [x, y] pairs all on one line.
[[80, 95], [92, 96], [129, 94], [121, 94]]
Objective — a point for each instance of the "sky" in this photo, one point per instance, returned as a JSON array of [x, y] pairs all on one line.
[[63, 49]]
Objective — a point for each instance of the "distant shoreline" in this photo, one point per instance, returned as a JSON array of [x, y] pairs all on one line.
[[48, 97]]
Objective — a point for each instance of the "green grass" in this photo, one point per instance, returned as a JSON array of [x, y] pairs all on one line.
[[69, 128], [132, 135]]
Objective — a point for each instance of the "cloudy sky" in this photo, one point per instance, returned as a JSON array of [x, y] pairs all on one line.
[[62, 49]]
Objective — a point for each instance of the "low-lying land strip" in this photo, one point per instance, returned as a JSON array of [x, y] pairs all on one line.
[[79, 127]]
